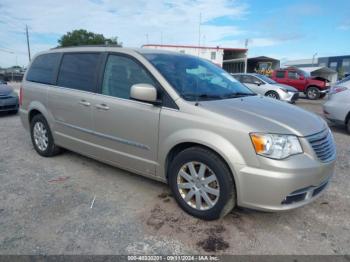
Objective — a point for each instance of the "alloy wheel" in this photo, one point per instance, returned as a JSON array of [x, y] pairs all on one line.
[[40, 136], [198, 185]]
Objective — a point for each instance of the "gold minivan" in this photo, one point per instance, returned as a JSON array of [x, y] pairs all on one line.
[[181, 120]]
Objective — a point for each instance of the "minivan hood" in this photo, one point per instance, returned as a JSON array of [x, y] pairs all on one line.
[[262, 114], [5, 90]]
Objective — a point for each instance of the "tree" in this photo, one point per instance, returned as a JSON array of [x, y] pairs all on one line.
[[83, 37]]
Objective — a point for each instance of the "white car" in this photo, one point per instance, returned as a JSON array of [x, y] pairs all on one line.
[[337, 108], [345, 82], [265, 86]]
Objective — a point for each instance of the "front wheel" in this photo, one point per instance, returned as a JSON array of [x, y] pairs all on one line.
[[272, 94], [202, 184], [313, 93]]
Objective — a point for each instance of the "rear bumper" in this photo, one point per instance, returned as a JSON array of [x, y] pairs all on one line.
[[285, 189], [332, 112], [9, 104]]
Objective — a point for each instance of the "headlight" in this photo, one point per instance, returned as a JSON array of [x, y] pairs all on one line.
[[276, 146]]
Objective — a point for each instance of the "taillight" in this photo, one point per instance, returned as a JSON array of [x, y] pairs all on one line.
[[336, 89], [20, 96]]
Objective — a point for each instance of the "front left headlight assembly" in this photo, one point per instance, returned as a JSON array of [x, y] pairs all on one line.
[[276, 146]]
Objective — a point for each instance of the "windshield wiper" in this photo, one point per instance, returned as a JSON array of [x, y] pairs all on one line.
[[238, 94], [194, 95]]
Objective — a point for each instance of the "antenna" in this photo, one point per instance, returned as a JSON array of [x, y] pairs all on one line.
[[199, 31]]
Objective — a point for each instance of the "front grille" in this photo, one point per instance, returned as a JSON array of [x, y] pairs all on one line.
[[8, 107], [323, 145], [4, 97]]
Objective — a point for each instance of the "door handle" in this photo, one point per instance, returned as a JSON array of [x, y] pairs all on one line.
[[84, 103], [102, 107]]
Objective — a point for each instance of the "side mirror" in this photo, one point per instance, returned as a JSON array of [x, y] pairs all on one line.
[[144, 93], [257, 83], [301, 77]]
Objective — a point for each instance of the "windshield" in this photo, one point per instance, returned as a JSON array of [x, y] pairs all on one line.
[[266, 79], [197, 79]]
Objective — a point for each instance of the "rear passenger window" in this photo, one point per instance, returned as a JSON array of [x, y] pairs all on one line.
[[120, 74], [79, 71], [292, 75], [42, 70], [280, 74]]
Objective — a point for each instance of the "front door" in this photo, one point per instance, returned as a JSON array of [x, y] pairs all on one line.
[[126, 129]]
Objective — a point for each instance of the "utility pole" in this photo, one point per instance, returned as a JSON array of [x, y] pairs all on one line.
[[199, 31], [313, 58], [246, 56], [28, 43]]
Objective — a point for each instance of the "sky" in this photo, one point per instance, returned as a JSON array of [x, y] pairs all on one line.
[[284, 30]]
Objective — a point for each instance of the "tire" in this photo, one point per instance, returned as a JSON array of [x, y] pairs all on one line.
[[313, 93], [348, 126], [47, 148], [224, 199], [273, 94]]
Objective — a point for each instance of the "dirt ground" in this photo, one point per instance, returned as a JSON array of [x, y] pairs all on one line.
[[45, 208]]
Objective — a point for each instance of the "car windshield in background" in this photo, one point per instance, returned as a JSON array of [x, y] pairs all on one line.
[[197, 79], [267, 79]]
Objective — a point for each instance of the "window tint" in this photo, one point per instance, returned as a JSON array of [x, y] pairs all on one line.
[[43, 68], [78, 71], [280, 74], [246, 79], [293, 75], [120, 74]]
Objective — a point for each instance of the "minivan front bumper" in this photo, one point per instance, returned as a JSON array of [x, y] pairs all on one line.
[[286, 188]]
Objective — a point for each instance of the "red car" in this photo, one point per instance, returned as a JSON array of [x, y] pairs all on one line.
[[313, 87]]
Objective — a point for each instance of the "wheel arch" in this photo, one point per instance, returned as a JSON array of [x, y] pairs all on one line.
[[38, 108], [347, 118], [221, 147]]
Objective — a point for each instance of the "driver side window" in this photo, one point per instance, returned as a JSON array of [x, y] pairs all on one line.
[[121, 73]]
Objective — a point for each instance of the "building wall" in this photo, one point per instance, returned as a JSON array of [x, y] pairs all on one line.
[[333, 62], [215, 55]]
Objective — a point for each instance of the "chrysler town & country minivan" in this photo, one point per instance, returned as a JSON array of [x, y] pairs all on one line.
[[181, 120]]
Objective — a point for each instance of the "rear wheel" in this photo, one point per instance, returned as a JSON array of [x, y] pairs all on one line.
[[348, 126], [273, 94], [42, 137], [202, 183], [313, 93]]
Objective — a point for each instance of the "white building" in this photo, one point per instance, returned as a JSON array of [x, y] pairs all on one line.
[[231, 59]]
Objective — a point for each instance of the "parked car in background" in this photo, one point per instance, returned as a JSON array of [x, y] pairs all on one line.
[[3, 82], [8, 99], [345, 82], [181, 120], [265, 86], [313, 87], [337, 108]]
